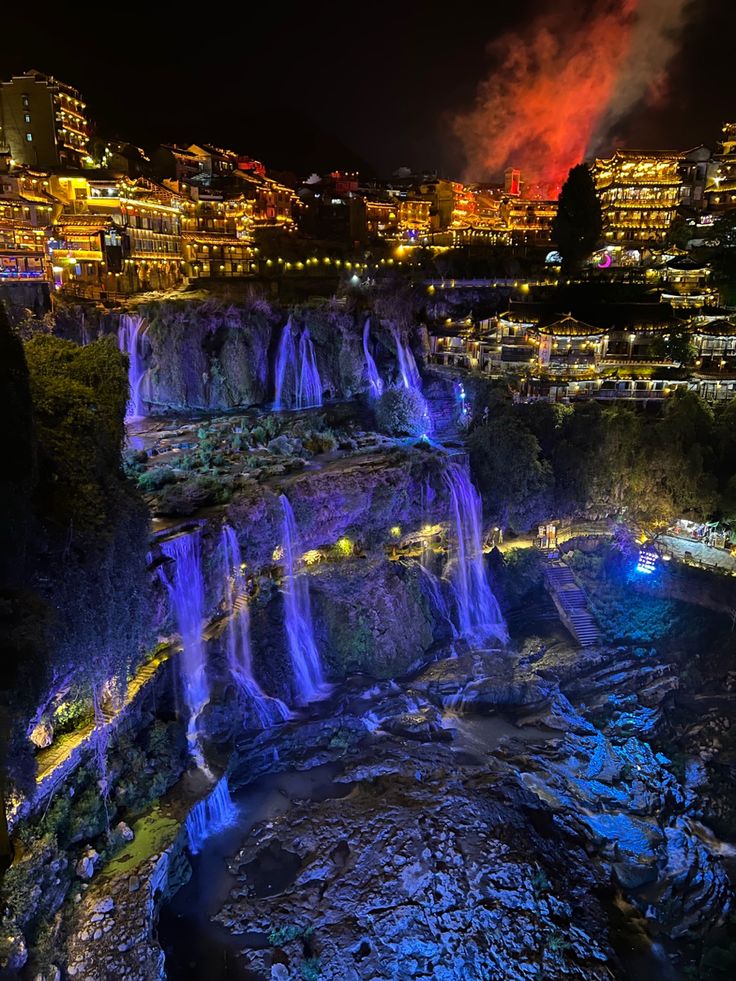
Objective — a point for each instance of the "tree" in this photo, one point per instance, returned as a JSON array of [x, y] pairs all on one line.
[[576, 228], [516, 483], [677, 346]]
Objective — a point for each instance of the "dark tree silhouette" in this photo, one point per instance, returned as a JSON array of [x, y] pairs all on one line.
[[576, 228]]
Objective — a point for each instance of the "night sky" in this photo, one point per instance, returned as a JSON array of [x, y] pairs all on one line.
[[315, 86]]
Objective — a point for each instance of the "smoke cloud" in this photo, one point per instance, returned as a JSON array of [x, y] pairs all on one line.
[[559, 87]]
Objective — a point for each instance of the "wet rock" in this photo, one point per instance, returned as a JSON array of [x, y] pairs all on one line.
[[85, 867], [126, 833]]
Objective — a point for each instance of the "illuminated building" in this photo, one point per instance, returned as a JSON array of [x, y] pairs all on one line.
[[42, 122], [217, 236], [116, 237], [570, 345], [528, 221], [720, 189], [714, 340], [685, 283], [274, 204], [25, 216], [639, 195]]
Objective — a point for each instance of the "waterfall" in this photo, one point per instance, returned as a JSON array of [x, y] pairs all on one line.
[[309, 388], [479, 615], [269, 711], [408, 370], [298, 615], [434, 586], [130, 339], [296, 370], [186, 589], [285, 362], [209, 816], [374, 379]]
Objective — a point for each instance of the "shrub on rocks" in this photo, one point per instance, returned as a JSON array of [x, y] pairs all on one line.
[[402, 412]]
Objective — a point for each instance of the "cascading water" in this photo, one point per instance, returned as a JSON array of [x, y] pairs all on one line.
[[479, 615], [437, 596], [268, 711], [309, 387], [211, 815], [285, 363], [130, 339], [408, 370], [374, 379], [186, 590], [296, 370], [298, 615]]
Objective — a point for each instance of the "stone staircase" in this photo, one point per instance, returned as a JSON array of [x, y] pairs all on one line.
[[571, 603]]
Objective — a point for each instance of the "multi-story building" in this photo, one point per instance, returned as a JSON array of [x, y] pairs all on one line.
[[720, 189], [42, 122], [113, 236], [639, 194], [217, 236], [26, 210]]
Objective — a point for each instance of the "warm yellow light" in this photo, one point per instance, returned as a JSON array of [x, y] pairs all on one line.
[[278, 553], [396, 532], [344, 546], [312, 556]]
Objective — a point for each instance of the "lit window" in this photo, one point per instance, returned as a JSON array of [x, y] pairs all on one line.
[[26, 101], [29, 137], [26, 117]]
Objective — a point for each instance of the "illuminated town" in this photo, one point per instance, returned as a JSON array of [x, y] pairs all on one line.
[[368, 553]]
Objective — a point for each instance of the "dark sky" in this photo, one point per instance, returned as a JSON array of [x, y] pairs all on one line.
[[319, 85]]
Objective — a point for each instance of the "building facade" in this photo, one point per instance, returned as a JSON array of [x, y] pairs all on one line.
[[639, 194], [43, 122]]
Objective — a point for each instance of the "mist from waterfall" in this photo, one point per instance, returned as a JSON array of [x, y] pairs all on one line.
[[374, 379], [185, 586], [479, 615], [296, 370], [305, 660], [268, 711], [131, 331]]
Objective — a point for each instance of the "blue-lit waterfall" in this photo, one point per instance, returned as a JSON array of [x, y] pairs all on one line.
[[479, 615], [297, 380], [303, 652], [408, 370], [131, 332], [268, 711], [374, 379], [209, 816], [185, 586]]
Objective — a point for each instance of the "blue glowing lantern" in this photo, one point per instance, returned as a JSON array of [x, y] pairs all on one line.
[[647, 561]]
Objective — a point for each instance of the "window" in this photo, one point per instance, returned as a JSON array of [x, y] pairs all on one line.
[[29, 137], [26, 101], [26, 117]]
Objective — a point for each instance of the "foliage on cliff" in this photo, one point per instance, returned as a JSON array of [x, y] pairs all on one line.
[[402, 412], [75, 614], [538, 461]]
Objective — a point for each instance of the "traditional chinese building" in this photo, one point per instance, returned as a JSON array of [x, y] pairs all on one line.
[[217, 236], [720, 191], [42, 122], [26, 210], [639, 194], [116, 237]]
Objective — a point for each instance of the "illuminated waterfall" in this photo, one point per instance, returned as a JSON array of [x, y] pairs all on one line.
[[408, 370], [479, 616], [296, 371], [131, 332], [209, 816], [303, 651], [374, 379], [185, 586], [268, 711]]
